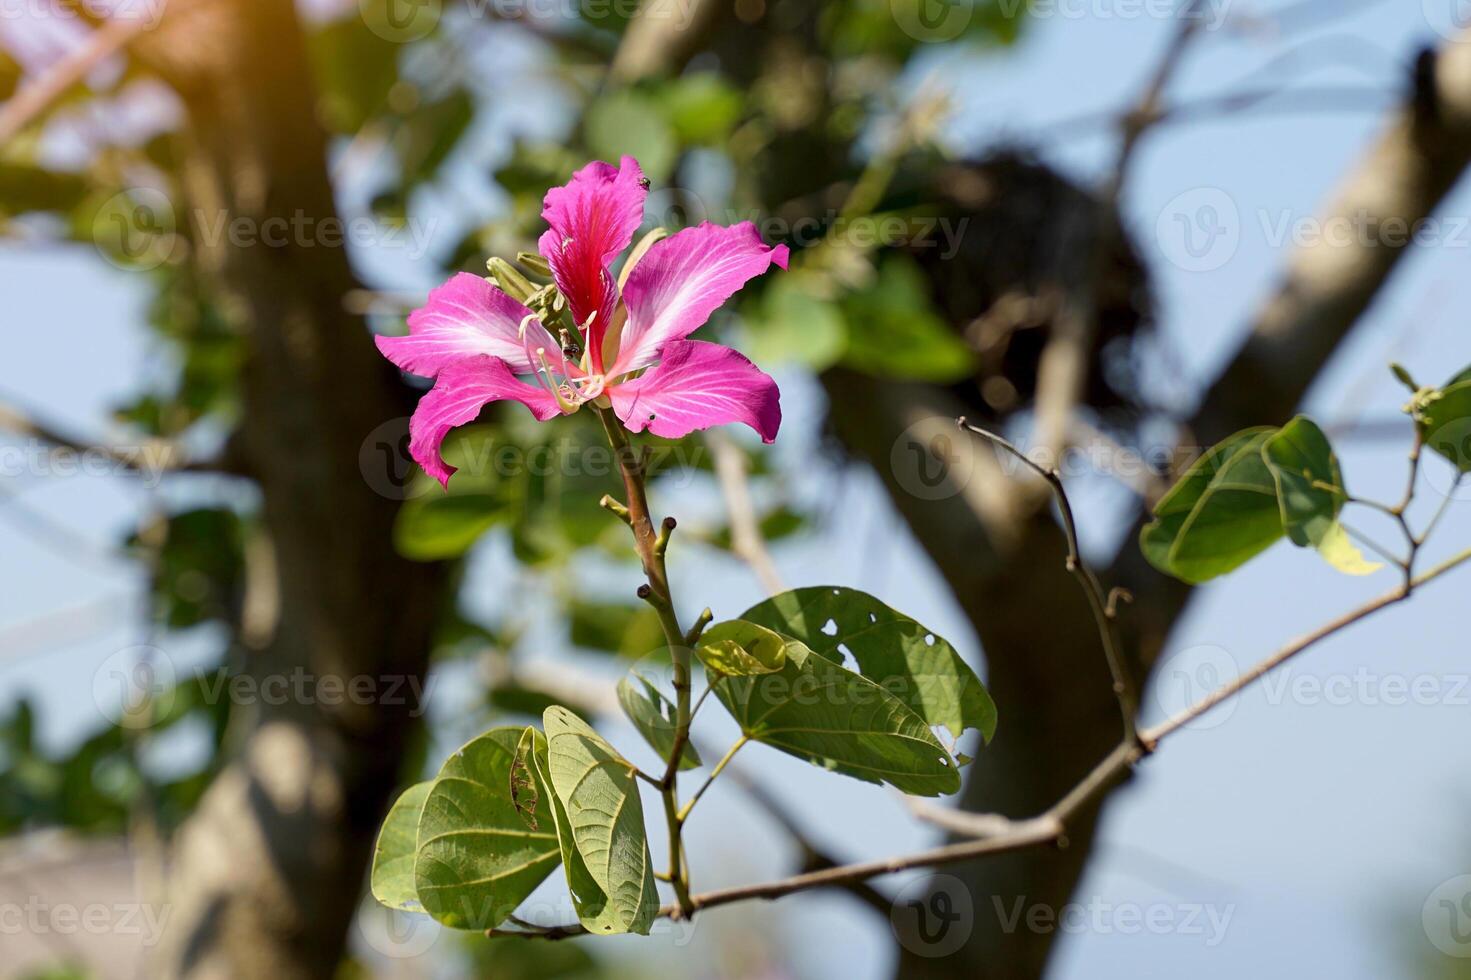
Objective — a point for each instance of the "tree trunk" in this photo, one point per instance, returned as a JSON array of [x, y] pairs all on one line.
[[266, 875]]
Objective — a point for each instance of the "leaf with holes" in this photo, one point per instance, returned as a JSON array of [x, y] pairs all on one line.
[[392, 878], [1221, 514], [739, 649], [476, 860], [1310, 493], [832, 717], [903, 656], [598, 792], [653, 716]]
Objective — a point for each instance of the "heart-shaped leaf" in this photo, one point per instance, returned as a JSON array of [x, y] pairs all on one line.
[[830, 716], [598, 792], [1222, 513], [653, 716], [902, 656], [392, 878], [739, 649], [476, 860]]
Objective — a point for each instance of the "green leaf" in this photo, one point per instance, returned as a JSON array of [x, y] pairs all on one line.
[[1222, 513], [792, 323], [392, 878], [1310, 493], [702, 108], [1444, 418], [625, 122], [444, 526], [525, 793], [594, 911], [739, 649], [598, 792], [903, 656], [615, 627], [653, 716], [894, 330], [476, 860], [828, 715]]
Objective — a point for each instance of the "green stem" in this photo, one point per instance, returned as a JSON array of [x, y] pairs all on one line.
[[650, 545], [684, 814]]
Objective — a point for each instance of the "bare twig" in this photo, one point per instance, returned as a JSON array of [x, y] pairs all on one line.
[[1099, 601]]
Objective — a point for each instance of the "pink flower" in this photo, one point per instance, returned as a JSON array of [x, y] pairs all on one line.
[[479, 344]]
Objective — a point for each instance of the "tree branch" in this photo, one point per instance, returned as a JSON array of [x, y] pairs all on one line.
[[997, 836]]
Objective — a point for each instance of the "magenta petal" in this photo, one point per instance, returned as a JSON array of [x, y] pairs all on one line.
[[682, 280], [467, 317], [592, 219], [461, 391], [695, 386]]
